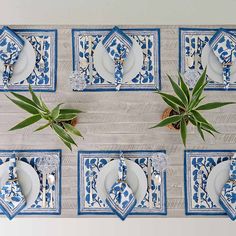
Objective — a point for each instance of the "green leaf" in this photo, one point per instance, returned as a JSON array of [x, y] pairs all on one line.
[[168, 120], [184, 87], [199, 83], [66, 117], [171, 104], [66, 111], [66, 143], [209, 127], [213, 105], [24, 106], [200, 131], [208, 131], [199, 117], [63, 134], [34, 97], [183, 131], [55, 112], [72, 129], [24, 99], [173, 99], [43, 105], [42, 127], [192, 120], [179, 92], [29, 121]]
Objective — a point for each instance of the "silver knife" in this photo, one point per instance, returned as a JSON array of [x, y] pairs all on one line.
[[150, 183], [90, 60]]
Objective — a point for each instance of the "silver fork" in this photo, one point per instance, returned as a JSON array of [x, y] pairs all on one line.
[[91, 178], [41, 62]]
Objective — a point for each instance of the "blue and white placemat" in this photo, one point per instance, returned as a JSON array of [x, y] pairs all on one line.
[[201, 161], [31, 157], [147, 79], [94, 161], [186, 45], [40, 81]]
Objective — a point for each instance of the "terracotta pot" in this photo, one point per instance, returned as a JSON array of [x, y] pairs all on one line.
[[168, 112], [74, 122]]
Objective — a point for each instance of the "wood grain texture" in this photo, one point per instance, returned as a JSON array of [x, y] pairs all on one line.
[[116, 121]]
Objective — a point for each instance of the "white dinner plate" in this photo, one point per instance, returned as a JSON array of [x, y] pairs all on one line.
[[214, 67], [24, 65], [28, 179], [216, 180], [136, 179], [105, 65]]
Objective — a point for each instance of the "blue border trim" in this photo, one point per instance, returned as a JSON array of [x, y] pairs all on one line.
[[60, 182], [187, 212], [55, 60], [79, 213], [202, 29], [157, 80]]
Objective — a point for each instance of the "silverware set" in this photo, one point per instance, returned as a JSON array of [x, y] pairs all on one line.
[[41, 62], [47, 166]]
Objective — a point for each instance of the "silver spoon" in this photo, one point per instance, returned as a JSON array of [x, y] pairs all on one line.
[[51, 182]]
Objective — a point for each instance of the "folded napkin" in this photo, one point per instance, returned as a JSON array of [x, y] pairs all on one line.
[[228, 195], [10, 47], [118, 45], [12, 201], [121, 199], [223, 44]]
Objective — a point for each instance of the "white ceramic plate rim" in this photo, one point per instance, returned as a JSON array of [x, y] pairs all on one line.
[[211, 180], [24, 65], [132, 167], [33, 180], [214, 67], [101, 54]]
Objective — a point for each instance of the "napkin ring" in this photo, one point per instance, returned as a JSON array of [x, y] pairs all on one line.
[[10, 66], [121, 61], [228, 64]]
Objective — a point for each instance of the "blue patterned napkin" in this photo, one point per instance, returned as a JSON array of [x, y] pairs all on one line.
[[12, 201], [121, 199], [118, 45], [228, 195], [10, 47], [223, 44]]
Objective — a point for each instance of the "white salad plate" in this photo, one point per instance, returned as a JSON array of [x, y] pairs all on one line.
[[105, 65], [136, 179], [28, 179], [24, 65], [214, 67], [216, 180]]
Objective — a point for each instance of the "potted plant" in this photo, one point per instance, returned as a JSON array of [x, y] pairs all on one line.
[[61, 121], [185, 107]]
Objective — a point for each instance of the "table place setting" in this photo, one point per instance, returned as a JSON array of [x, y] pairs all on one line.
[[116, 59], [122, 183], [210, 187], [30, 182], [28, 56], [212, 48]]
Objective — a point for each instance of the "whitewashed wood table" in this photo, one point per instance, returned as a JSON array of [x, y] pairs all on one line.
[[118, 120]]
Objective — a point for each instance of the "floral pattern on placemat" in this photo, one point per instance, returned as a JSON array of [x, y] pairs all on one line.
[[147, 79], [187, 47], [198, 165], [46, 80], [91, 162], [31, 158]]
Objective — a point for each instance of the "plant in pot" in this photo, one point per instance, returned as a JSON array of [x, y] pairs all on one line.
[[185, 107], [61, 121]]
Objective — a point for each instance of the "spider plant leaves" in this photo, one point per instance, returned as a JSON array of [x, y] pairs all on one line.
[[173, 99], [183, 131], [213, 105], [25, 106], [168, 120], [66, 111], [200, 131], [66, 117], [42, 127], [29, 121], [56, 111], [200, 83], [24, 99], [34, 97], [171, 104], [179, 92], [72, 129], [184, 87], [63, 134], [43, 105], [66, 143]]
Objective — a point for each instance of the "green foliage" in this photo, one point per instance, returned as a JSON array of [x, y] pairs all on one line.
[[57, 119], [187, 105]]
